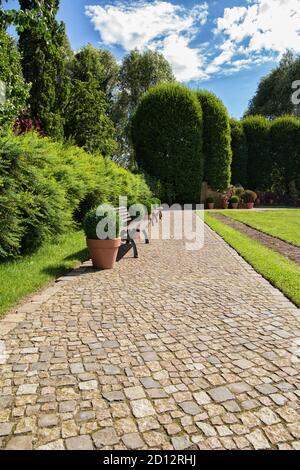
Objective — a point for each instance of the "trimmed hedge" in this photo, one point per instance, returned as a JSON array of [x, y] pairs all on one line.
[[47, 188], [259, 166], [216, 141], [239, 154], [167, 139], [285, 149]]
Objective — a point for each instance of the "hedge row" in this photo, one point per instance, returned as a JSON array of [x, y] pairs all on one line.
[[216, 141], [259, 165], [167, 138], [239, 153], [47, 187], [181, 138], [285, 149], [266, 153]]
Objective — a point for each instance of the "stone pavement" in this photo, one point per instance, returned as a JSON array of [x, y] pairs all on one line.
[[176, 350]]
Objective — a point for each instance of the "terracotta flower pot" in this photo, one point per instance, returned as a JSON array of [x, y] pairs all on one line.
[[211, 205], [234, 205], [250, 205], [104, 252]]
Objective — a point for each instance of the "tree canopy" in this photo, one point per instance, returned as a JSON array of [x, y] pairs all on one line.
[[44, 63], [94, 75], [139, 72], [273, 97], [91, 63], [88, 124], [15, 90]]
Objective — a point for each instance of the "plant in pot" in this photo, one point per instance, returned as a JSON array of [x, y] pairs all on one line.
[[234, 202], [224, 202], [226, 196], [102, 229], [210, 201], [249, 198]]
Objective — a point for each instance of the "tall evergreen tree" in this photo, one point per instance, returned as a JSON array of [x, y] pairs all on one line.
[[45, 53]]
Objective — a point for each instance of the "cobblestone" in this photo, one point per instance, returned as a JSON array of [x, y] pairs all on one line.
[[174, 350]]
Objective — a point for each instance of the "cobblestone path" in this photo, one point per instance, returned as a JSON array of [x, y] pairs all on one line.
[[176, 350]]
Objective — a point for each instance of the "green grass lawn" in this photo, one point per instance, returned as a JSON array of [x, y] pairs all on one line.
[[28, 274], [281, 272], [283, 224]]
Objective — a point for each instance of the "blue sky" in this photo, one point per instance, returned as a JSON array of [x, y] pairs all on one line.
[[225, 46]]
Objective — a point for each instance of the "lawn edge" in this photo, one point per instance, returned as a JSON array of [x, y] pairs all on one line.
[[218, 228], [227, 214], [46, 284]]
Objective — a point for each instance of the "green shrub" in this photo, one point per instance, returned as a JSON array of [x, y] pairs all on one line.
[[167, 139], [234, 200], [46, 188], [39, 202], [15, 91], [239, 191], [249, 196], [143, 207], [259, 166], [216, 141], [239, 153], [285, 150], [149, 203], [210, 200], [93, 218]]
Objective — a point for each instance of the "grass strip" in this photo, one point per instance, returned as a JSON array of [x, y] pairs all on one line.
[[282, 224], [278, 270], [24, 276]]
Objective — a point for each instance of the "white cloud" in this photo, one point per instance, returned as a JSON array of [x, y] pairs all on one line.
[[244, 37], [158, 25], [266, 25], [187, 63]]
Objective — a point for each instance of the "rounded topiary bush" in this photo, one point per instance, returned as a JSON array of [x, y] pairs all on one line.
[[239, 153], [216, 141], [108, 217], [259, 165], [285, 149], [167, 139]]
